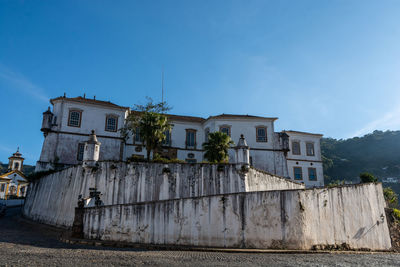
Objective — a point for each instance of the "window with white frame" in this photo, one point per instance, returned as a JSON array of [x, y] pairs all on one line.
[[74, 118], [312, 174], [310, 149], [206, 133], [261, 134], [296, 148], [226, 129], [81, 149], [138, 138], [2, 187], [167, 140], [111, 123], [190, 138], [298, 173]]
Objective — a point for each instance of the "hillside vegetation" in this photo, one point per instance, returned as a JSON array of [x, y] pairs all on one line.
[[377, 153], [26, 169]]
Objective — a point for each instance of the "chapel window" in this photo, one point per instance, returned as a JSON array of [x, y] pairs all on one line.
[[312, 174], [310, 149], [296, 148], [81, 148], [298, 173], [261, 134], [2, 187], [74, 118], [22, 190], [111, 123], [16, 166], [226, 129], [167, 140], [190, 138]]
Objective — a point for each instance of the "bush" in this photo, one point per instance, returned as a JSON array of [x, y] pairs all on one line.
[[366, 177], [336, 183], [136, 158], [390, 197], [396, 214]]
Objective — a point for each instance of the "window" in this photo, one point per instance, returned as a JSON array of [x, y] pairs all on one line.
[[296, 148], [74, 118], [81, 148], [138, 138], [310, 149], [22, 190], [190, 138], [206, 133], [298, 173], [111, 123], [312, 174], [261, 134], [3, 187], [226, 129], [167, 140], [16, 166]]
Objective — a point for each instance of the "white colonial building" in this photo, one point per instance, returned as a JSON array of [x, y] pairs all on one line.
[[66, 128]]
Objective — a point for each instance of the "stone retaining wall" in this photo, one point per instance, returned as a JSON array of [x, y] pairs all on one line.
[[348, 216], [52, 199]]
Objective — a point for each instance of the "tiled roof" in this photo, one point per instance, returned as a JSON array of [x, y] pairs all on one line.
[[298, 132], [89, 101], [185, 118], [235, 116]]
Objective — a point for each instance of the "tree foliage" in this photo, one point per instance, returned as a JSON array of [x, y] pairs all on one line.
[[376, 153], [366, 177], [216, 149], [390, 197], [150, 123]]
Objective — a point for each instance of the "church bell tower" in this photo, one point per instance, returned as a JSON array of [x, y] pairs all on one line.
[[16, 161]]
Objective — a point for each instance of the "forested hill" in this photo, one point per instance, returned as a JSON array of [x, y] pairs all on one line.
[[26, 169], [377, 153]]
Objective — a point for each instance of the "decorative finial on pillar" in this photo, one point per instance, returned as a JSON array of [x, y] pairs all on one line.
[[242, 153], [92, 151]]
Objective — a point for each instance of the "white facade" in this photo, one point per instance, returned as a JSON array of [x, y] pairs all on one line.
[[64, 144]]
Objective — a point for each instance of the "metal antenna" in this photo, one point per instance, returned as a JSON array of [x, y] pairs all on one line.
[[162, 85]]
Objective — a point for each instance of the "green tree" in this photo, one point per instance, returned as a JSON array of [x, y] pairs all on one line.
[[150, 123], [366, 177], [390, 197], [216, 149]]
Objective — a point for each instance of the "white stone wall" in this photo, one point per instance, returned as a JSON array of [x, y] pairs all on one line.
[[291, 219], [52, 198]]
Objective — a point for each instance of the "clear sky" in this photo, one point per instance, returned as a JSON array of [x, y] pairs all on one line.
[[329, 67]]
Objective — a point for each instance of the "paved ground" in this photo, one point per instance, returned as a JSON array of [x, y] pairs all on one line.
[[23, 243]]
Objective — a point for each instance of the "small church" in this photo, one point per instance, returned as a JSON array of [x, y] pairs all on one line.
[[13, 183]]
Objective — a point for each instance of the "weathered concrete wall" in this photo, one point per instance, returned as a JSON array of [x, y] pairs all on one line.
[[293, 219], [52, 199]]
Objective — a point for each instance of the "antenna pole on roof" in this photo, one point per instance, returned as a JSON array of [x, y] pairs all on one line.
[[162, 85]]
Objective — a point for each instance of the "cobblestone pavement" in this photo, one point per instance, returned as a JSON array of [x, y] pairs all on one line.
[[23, 243]]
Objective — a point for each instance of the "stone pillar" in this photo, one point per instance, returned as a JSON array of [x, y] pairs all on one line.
[[92, 151], [242, 153]]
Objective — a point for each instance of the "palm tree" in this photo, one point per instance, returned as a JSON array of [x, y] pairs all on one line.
[[150, 123], [217, 147]]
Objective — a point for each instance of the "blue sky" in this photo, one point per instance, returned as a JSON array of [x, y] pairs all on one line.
[[329, 67]]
